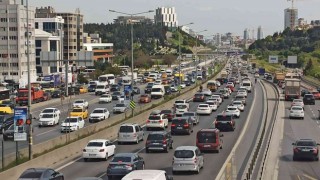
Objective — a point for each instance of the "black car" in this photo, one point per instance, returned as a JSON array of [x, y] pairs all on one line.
[[199, 97], [6, 120], [73, 90], [92, 88], [136, 90], [56, 94], [304, 91], [269, 77], [159, 141], [167, 90], [309, 99], [225, 121], [147, 90], [305, 149], [187, 83], [182, 125], [114, 87], [168, 113], [115, 95], [8, 134], [41, 174]]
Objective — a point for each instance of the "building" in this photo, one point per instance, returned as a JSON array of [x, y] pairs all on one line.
[[185, 29], [101, 51], [290, 18], [91, 38], [166, 16], [246, 34], [218, 39], [13, 42], [315, 23], [124, 20], [260, 33]]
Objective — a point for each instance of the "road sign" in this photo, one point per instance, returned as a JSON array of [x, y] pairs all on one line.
[[19, 119], [179, 88], [132, 104]]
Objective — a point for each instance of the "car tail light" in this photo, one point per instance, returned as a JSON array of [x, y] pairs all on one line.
[[296, 149], [215, 122], [164, 141], [101, 150], [135, 135], [160, 121], [173, 125], [315, 151], [148, 142], [148, 121], [195, 160], [84, 150], [129, 166], [169, 116], [186, 125]]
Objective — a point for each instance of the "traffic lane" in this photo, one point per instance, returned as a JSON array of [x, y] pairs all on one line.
[[296, 129]]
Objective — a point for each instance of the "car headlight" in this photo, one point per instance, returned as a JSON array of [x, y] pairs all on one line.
[[74, 125]]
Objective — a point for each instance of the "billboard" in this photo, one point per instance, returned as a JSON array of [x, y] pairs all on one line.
[[19, 119], [292, 60], [273, 59]]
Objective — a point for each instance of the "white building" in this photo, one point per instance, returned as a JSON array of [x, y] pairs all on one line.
[[246, 34], [218, 39], [13, 42], [290, 18], [185, 29], [260, 33], [166, 16], [101, 51]]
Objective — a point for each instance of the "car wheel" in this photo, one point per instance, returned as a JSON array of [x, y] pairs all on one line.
[[109, 177], [147, 150], [294, 158], [317, 158], [137, 142], [198, 170], [106, 158], [39, 126], [171, 146], [174, 172], [119, 143], [85, 159], [166, 150]]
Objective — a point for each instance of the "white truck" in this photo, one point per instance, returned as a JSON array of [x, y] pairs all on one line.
[[157, 91]]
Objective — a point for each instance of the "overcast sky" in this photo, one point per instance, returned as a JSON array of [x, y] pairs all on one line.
[[217, 16]]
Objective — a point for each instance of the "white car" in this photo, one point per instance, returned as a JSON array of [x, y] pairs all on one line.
[[230, 84], [122, 98], [239, 104], [217, 97], [207, 92], [296, 112], [174, 88], [204, 109], [105, 98], [49, 119], [99, 114], [181, 101], [81, 103], [242, 94], [256, 75], [215, 100], [157, 82], [157, 121], [72, 124], [98, 149], [243, 91], [237, 81], [49, 111], [218, 83], [213, 105], [297, 102], [183, 85], [181, 108], [233, 110]]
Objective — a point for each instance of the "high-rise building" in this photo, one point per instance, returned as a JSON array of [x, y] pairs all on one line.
[[290, 18], [218, 39], [260, 33], [166, 16], [13, 42], [246, 34]]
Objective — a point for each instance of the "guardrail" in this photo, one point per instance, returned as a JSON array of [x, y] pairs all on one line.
[[311, 82]]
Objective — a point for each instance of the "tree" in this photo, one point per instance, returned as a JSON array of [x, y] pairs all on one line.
[[169, 59], [82, 79]]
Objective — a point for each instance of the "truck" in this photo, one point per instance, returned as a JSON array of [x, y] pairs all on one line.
[[53, 78], [262, 71], [292, 89], [278, 76], [36, 96]]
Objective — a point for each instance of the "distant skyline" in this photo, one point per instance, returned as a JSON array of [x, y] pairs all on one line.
[[214, 15]]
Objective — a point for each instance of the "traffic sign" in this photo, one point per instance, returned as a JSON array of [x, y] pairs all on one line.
[[132, 104], [179, 88]]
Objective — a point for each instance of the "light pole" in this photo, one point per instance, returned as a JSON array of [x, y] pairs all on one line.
[[131, 15], [196, 33], [180, 53], [205, 60]]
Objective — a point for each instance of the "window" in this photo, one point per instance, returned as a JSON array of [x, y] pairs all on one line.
[[12, 28], [14, 73], [2, 29], [37, 25], [38, 61], [3, 20], [4, 37], [38, 52], [12, 19], [38, 43]]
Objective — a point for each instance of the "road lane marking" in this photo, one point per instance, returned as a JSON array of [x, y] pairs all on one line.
[[46, 132], [309, 177], [68, 164], [103, 174], [298, 177]]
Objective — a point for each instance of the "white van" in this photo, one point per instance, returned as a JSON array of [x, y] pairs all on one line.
[[157, 91], [102, 88], [247, 84], [147, 175]]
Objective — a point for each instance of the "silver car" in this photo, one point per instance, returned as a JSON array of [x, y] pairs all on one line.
[[120, 108], [187, 158], [193, 115], [130, 133]]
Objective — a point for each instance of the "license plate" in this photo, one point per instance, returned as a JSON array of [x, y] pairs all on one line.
[[305, 150], [154, 122], [181, 164], [118, 167], [179, 127], [92, 154], [156, 143], [207, 146], [126, 135]]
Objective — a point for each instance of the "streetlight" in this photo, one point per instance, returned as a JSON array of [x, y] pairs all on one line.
[[196, 33], [180, 53], [131, 15]]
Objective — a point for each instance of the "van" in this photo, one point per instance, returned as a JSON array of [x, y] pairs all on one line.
[[209, 140], [157, 91], [102, 88], [147, 175], [247, 84], [130, 132]]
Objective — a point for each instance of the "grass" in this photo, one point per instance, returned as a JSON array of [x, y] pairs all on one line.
[[268, 67]]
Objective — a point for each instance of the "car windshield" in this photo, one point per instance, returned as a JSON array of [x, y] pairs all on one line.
[[77, 110], [308, 95], [144, 96], [31, 175], [156, 89], [183, 154], [165, 112], [224, 118], [105, 95], [181, 106], [232, 108], [154, 118], [116, 93], [237, 103], [126, 129], [189, 114], [120, 105], [78, 102], [297, 100], [71, 120], [48, 111], [206, 137], [98, 111], [179, 121], [179, 101], [198, 95], [245, 84], [47, 116], [95, 144], [100, 87], [203, 106], [155, 137], [305, 143], [121, 159]]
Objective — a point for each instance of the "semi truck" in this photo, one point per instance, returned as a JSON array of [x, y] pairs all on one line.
[[278, 76], [292, 89], [36, 96]]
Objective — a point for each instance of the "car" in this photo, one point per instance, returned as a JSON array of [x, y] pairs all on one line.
[[230, 84], [79, 112], [213, 104], [316, 95], [159, 141], [122, 98], [81, 103], [148, 88], [50, 110], [305, 149], [193, 116], [225, 93], [120, 108], [187, 158], [145, 98], [239, 105], [8, 134], [256, 75], [297, 102], [72, 124], [123, 163], [168, 113], [174, 88], [6, 120], [233, 110], [46, 96], [181, 108], [157, 121], [199, 97], [148, 174], [48, 119], [105, 98], [240, 98], [243, 92], [296, 112], [157, 82], [204, 109], [181, 125], [167, 90], [231, 88], [309, 99], [206, 92], [130, 132], [99, 114], [136, 90], [114, 87], [57, 94], [218, 97], [116, 95], [181, 101], [225, 121], [269, 77], [98, 149], [92, 88], [183, 85], [187, 82], [41, 174], [83, 89], [209, 140]]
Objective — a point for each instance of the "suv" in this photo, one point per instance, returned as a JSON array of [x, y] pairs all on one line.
[[187, 158], [305, 148], [309, 99], [209, 140], [180, 109], [182, 125], [130, 133], [225, 121], [159, 141], [5, 121], [157, 121]]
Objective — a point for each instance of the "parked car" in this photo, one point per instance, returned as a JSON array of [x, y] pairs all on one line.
[[98, 149], [159, 141], [130, 132], [187, 158], [305, 149], [41, 174]]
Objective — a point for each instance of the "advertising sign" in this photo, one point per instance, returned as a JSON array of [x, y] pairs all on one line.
[[292, 60], [273, 59], [20, 117]]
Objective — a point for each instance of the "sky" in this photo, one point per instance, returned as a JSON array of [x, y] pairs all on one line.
[[215, 16]]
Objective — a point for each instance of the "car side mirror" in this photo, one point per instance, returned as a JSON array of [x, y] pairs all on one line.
[[221, 135], [293, 144]]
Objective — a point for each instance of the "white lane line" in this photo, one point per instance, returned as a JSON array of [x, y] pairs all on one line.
[[103, 174], [68, 164], [46, 132]]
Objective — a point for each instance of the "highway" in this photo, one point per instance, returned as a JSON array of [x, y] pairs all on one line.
[[213, 161]]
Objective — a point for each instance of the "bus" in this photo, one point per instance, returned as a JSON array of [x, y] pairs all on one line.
[[110, 78]]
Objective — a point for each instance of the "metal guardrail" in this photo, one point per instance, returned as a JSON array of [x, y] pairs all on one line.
[[308, 81]]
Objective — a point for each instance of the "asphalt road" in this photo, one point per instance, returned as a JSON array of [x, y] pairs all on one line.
[[213, 161]]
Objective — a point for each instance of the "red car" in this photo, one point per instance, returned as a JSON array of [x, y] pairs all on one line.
[[209, 140], [230, 87], [316, 95], [145, 98]]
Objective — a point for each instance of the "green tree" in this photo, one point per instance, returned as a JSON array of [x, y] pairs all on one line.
[[169, 59], [82, 79]]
